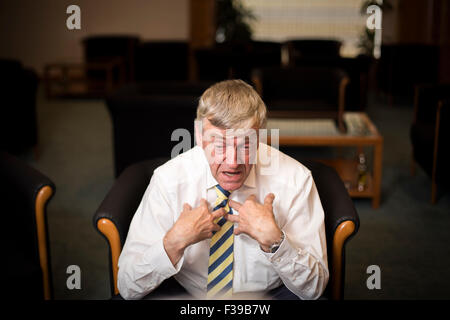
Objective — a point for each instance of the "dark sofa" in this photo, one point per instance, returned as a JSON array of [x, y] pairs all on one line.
[[18, 123]]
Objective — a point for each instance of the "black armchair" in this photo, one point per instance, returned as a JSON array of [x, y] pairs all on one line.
[[299, 49], [117, 55], [144, 116], [25, 193], [252, 55], [325, 53], [311, 92], [236, 60], [430, 134], [162, 60], [113, 217]]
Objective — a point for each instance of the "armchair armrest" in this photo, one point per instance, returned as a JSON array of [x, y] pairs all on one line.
[[112, 219], [341, 222], [21, 177], [27, 186]]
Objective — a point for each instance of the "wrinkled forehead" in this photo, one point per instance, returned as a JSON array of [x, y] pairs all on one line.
[[229, 135]]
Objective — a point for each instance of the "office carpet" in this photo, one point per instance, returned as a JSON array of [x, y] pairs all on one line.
[[407, 237]]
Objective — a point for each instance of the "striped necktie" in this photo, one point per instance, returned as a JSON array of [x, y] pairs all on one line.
[[220, 268]]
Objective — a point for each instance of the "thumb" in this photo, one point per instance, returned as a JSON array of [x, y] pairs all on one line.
[[186, 207], [268, 200], [237, 231]]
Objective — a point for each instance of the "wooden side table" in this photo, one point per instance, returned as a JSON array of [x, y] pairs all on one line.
[[361, 132], [67, 79]]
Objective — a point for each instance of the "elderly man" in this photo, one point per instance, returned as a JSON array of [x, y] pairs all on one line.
[[219, 223]]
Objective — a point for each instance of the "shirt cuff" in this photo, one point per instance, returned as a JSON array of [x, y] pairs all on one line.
[[157, 256], [284, 252]]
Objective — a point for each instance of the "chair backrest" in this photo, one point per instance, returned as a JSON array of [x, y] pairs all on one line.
[[24, 194], [105, 47], [313, 49], [300, 82], [120, 207], [253, 54], [236, 60], [162, 60], [207, 63], [266, 53]]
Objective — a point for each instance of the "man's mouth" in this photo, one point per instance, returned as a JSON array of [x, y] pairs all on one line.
[[231, 173], [232, 176]]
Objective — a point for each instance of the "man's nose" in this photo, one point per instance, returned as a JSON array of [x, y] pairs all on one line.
[[232, 156]]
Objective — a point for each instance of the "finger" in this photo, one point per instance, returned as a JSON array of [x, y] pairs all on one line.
[[268, 200], [237, 231], [218, 213], [216, 227], [186, 207], [203, 203], [252, 197], [234, 204], [232, 218]]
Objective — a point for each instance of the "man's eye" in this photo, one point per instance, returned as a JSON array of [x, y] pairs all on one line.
[[220, 148]]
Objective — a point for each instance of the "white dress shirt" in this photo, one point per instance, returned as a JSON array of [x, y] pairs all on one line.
[[300, 262]]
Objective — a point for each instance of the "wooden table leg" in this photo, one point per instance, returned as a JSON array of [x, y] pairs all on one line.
[[377, 171]]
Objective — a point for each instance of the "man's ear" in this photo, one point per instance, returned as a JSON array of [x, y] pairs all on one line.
[[198, 132]]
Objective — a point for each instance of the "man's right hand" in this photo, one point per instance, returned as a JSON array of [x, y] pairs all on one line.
[[193, 225]]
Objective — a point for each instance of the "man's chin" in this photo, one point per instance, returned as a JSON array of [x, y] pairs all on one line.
[[230, 186]]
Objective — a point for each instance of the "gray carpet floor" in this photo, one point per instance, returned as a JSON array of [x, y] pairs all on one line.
[[407, 237]]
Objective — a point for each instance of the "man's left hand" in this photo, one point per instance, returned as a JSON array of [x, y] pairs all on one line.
[[256, 220]]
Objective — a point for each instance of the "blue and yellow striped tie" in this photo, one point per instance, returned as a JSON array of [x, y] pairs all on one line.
[[220, 268]]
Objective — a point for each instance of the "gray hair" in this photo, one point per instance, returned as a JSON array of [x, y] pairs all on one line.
[[232, 104]]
